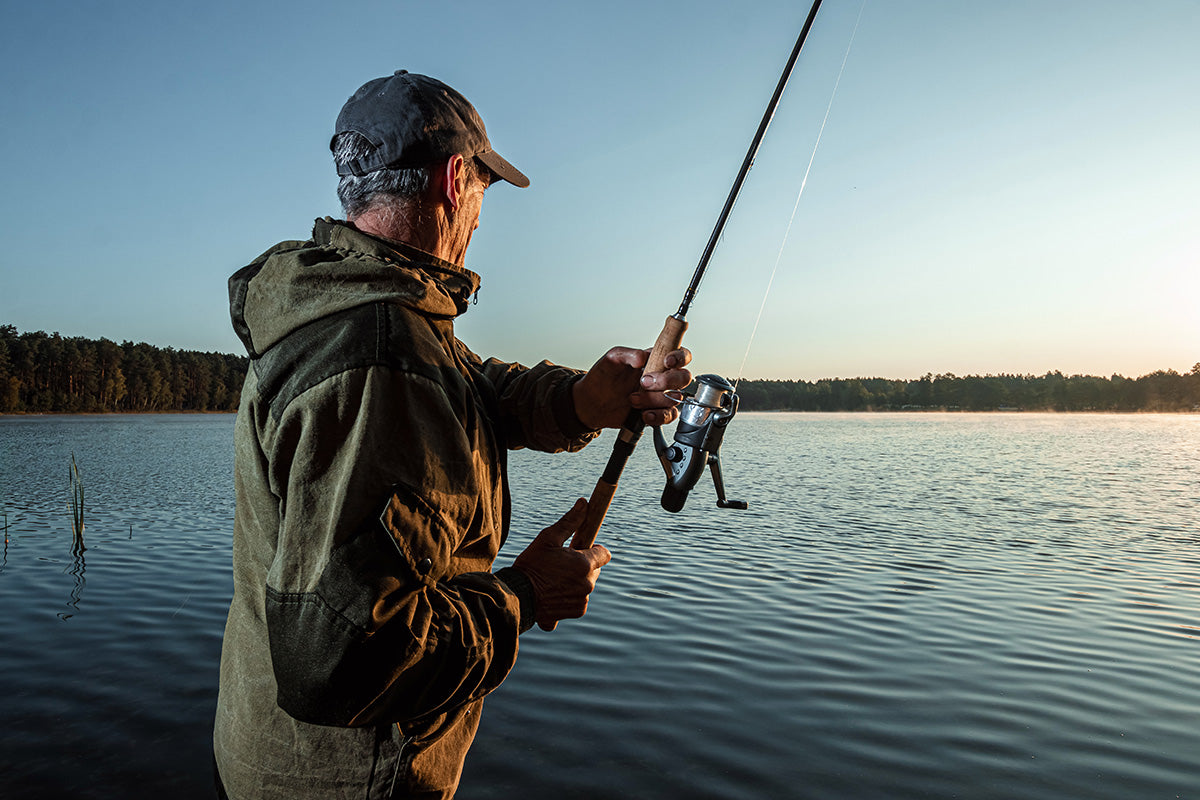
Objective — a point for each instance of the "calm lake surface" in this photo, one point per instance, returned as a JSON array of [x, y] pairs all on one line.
[[914, 606]]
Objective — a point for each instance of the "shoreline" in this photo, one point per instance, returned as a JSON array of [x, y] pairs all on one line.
[[110, 413], [863, 411]]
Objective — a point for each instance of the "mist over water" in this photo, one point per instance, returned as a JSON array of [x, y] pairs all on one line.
[[924, 605]]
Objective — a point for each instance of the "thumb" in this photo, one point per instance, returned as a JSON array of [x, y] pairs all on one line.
[[630, 357], [557, 534]]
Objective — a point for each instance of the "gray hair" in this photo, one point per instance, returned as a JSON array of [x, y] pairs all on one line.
[[358, 193], [383, 186]]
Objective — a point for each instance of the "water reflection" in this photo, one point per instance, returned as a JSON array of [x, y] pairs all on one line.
[[877, 625], [76, 571]]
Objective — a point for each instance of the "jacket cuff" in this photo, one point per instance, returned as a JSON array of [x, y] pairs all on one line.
[[563, 405], [519, 584]]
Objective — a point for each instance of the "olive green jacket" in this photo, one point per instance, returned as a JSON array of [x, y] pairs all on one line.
[[366, 625]]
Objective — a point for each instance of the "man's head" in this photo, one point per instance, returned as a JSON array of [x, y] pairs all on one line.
[[414, 158], [413, 121]]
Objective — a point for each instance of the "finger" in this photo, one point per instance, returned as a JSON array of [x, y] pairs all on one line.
[[660, 417], [557, 534], [626, 357], [655, 400], [598, 555], [666, 380], [678, 358]]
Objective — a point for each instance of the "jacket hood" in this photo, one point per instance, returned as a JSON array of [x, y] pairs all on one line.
[[295, 283]]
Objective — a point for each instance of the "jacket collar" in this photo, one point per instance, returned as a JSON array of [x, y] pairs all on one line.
[[295, 283], [459, 282]]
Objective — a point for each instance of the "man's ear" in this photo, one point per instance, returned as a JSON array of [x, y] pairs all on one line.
[[454, 180]]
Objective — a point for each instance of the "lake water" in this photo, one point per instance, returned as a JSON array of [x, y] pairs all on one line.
[[914, 606]]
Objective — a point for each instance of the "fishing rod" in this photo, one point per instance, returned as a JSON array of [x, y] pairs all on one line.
[[705, 414]]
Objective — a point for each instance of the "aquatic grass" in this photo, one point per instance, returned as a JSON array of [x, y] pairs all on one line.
[[76, 503]]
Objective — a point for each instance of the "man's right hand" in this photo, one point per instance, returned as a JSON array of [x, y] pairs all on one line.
[[562, 578]]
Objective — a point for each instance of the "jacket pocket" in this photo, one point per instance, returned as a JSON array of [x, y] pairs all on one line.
[[420, 534]]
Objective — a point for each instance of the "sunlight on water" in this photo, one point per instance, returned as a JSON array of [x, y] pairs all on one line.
[[914, 606], [927, 605]]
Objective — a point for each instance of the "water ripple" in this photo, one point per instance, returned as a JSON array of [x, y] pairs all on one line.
[[914, 606]]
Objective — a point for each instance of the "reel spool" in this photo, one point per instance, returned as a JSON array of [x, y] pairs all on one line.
[[703, 417]]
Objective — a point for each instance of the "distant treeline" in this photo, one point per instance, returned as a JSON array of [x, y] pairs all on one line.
[[1158, 391], [49, 373]]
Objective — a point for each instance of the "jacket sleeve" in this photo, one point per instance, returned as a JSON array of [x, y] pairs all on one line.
[[537, 409], [367, 622]]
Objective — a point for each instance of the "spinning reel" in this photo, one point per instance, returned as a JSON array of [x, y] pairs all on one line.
[[702, 420]]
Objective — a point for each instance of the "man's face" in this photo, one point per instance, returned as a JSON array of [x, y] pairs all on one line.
[[466, 218], [473, 200]]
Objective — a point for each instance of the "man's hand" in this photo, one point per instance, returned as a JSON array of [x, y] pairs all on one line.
[[615, 384], [562, 578]]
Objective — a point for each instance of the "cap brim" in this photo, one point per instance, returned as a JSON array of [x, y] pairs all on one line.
[[499, 166]]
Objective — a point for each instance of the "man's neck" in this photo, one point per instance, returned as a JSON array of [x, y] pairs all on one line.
[[393, 224]]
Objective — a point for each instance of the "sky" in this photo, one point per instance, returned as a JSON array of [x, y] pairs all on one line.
[[1001, 187]]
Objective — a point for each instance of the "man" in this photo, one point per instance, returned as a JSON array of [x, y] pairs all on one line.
[[366, 624]]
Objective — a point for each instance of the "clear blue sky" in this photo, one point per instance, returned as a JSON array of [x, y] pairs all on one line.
[[1001, 187]]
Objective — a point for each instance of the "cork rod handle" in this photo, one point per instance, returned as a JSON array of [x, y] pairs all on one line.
[[669, 340]]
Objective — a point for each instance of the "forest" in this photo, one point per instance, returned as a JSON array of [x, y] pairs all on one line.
[[1163, 390], [49, 373]]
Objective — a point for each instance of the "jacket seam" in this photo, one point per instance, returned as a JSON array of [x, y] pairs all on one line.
[[314, 599]]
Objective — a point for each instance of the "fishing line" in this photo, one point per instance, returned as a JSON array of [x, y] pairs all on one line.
[[709, 410], [803, 183]]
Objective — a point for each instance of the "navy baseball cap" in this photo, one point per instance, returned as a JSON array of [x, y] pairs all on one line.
[[414, 120]]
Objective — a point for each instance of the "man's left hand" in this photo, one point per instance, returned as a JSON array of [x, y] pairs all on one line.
[[615, 384]]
